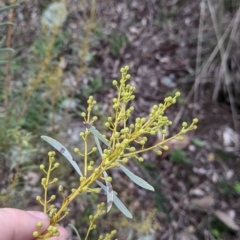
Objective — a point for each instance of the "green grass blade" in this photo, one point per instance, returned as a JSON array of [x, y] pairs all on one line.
[[139, 181], [6, 50], [2, 41], [3, 62], [75, 230], [8, 8], [6, 24]]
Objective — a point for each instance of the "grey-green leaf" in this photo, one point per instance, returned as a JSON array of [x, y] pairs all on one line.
[[139, 181], [59, 147], [97, 134], [109, 192], [109, 189], [121, 206], [117, 201], [98, 145]]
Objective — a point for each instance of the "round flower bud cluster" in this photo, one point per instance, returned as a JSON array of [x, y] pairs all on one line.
[[51, 156], [186, 128], [91, 102], [139, 122], [100, 209], [127, 93], [125, 76], [53, 230], [86, 116], [52, 212], [108, 235]]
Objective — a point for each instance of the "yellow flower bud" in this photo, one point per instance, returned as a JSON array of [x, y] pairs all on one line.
[[108, 179], [55, 180], [117, 134], [89, 168], [128, 76], [56, 165], [53, 197], [82, 178], [57, 234], [165, 147], [164, 131], [107, 124], [38, 198], [177, 94], [141, 131], [132, 149], [159, 152], [39, 224], [114, 83], [195, 120], [76, 150], [54, 230], [180, 138], [36, 234], [50, 228], [42, 166]]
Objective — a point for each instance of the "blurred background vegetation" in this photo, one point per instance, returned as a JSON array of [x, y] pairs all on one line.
[[54, 54]]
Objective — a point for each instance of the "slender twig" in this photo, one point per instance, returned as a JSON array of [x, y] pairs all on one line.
[[199, 47], [84, 48], [8, 45], [40, 73], [200, 73], [223, 69]]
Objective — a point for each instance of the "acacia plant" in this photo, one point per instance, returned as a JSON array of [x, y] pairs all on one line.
[[125, 141]]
